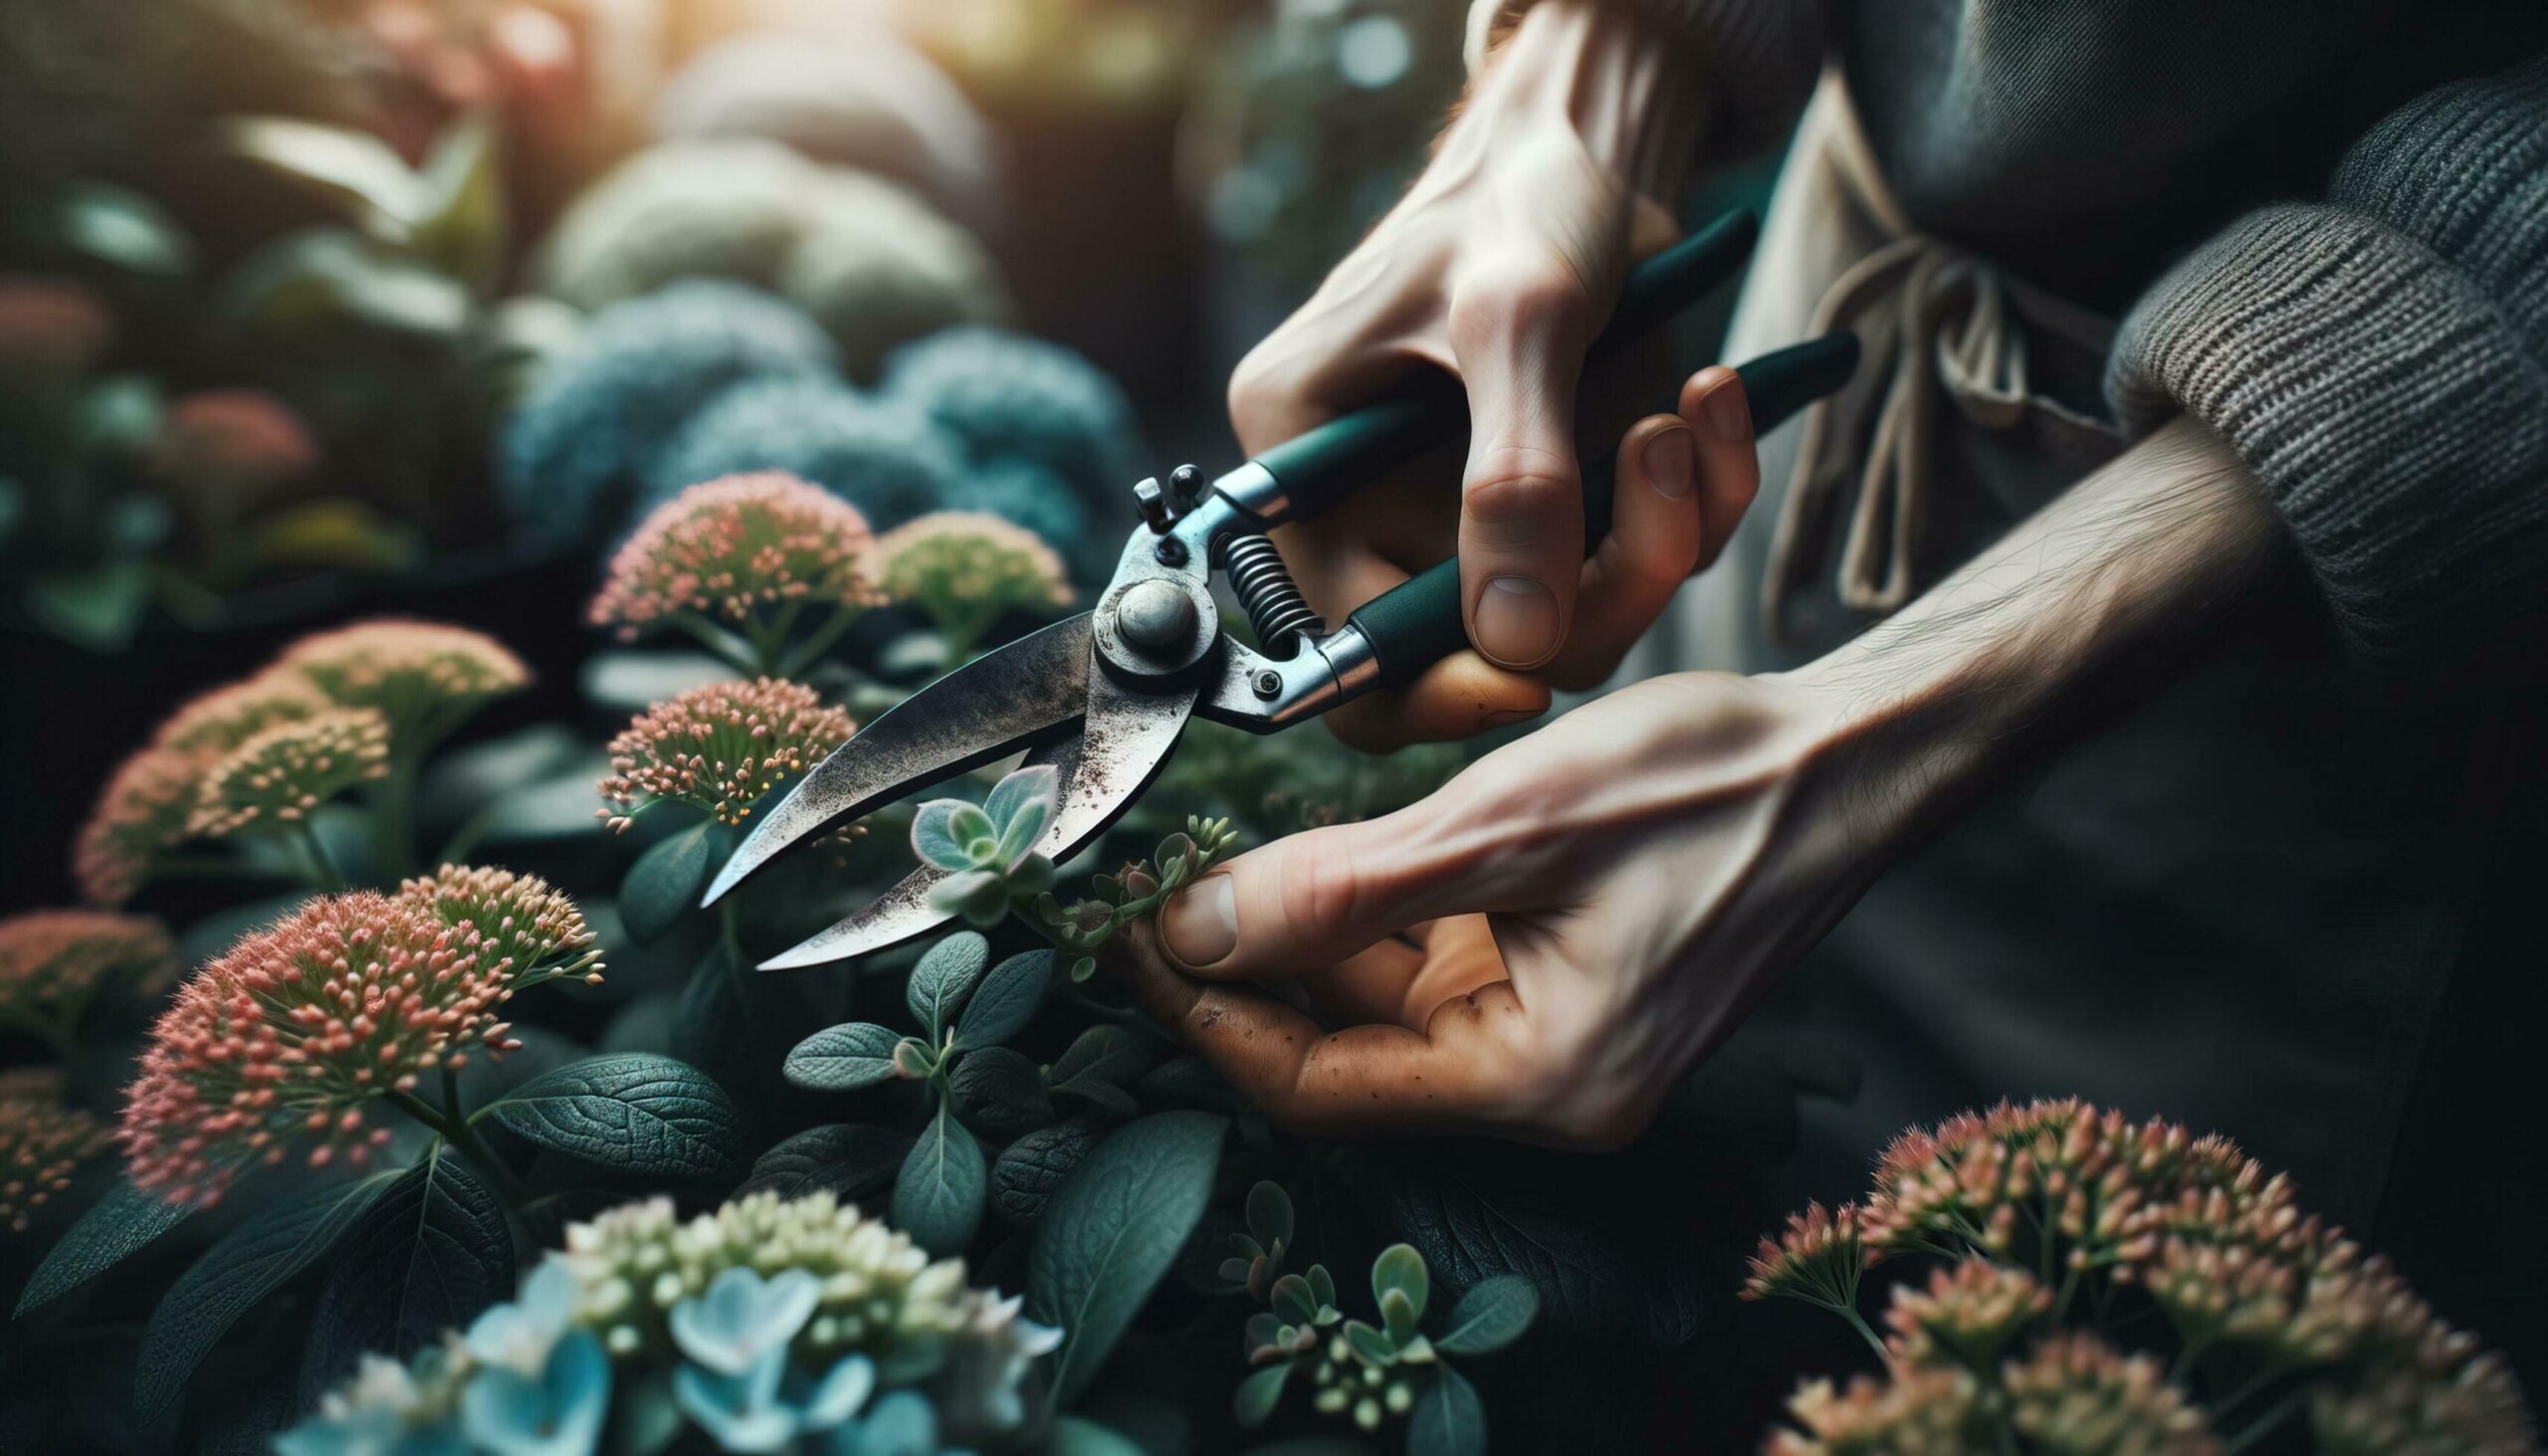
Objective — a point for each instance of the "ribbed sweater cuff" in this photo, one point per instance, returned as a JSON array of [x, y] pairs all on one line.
[[1756, 60], [2386, 403]]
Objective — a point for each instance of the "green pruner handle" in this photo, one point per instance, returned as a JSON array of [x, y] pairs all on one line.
[[1419, 622], [1332, 461]]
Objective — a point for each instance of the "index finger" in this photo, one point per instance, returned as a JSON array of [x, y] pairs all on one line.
[[1468, 1071]]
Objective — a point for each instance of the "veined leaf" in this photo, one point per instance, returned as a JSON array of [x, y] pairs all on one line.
[[629, 1110], [1448, 1419], [1111, 1232], [938, 983], [1492, 1314], [844, 1058], [234, 1274], [938, 1198], [845, 1159], [664, 882], [1029, 1169], [119, 1223], [1008, 998], [428, 1255]]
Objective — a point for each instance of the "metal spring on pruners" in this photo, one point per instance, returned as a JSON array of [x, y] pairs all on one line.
[[1264, 587]]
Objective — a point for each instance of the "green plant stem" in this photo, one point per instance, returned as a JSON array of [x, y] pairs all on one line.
[[812, 650], [394, 818], [729, 648], [2266, 1424], [460, 1134], [1866, 1332]]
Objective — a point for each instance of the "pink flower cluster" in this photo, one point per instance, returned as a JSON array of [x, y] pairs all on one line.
[[720, 748], [971, 557], [51, 329], [226, 448], [42, 1140], [55, 963], [734, 546], [288, 1038], [336, 709]]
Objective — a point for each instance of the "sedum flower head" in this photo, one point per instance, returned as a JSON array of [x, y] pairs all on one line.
[[965, 568], [528, 931], [52, 330], [287, 1039], [41, 1142], [736, 546], [2075, 1395], [1969, 1314], [220, 721], [2474, 1411], [1818, 1260], [225, 449], [720, 748], [54, 964], [422, 677], [1922, 1411], [140, 815], [283, 773]]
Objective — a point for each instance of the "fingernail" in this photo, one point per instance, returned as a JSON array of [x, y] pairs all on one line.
[[1671, 464], [1728, 413], [1516, 621], [1200, 924], [1508, 716]]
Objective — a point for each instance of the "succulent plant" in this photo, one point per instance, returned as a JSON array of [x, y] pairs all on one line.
[[1011, 397]]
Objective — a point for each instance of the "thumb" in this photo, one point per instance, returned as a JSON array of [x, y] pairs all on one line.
[[1520, 349], [1304, 902]]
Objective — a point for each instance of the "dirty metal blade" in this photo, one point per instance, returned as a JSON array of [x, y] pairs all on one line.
[[1103, 770], [1024, 693]]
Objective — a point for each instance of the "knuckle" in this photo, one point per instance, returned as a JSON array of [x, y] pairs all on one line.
[[1524, 290], [1519, 483], [1318, 887]]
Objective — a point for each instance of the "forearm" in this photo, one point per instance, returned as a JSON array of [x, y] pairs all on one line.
[[2137, 561], [1603, 75]]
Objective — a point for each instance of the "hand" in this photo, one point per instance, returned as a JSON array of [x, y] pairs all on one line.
[[1541, 948], [1546, 945], [1500, 267]]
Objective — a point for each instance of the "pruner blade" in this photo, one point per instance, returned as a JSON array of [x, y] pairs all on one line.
[[1124, 739], [1023, 693]]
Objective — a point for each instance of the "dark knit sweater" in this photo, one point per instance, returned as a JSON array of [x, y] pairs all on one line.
[[2324, 224]]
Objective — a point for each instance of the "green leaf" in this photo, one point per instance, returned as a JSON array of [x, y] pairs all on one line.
[[1370, 1343], [428, 1255], [1099, 1093], [1322, 1290], [1401, 1268], [1082, 969], [1269, 1212], [234, 1274], [369, 184], [1001, 1090], [325, 277], [1008, 999], [1030, 1169], [711, 1022], [99, 608], [118, 1224], [121, 227], [846, 1159], [933, 835], [1030, 790], [938, 983], [1448, 1419], [1491, 1316], [1259, 1394], [664, 883], [1106, 1052], [1111, 1232], [1074, 1435], [844, 1058], [629, 1110], [938, 1198], [1293, 1301], [1397, 1317], [334, 533], [460, 220]]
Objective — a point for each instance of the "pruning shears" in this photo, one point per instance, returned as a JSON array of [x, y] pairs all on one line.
[[1103, 696]]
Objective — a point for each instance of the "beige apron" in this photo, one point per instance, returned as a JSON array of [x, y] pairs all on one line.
[[2232, 903]]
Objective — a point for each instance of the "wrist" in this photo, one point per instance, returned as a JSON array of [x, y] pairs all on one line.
[[1605, 72]]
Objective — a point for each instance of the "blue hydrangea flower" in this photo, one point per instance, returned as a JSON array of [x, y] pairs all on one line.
[[889, 462], [383, 1411], [901, 1424], [518, 1335], [1008, 396], [743, 1316], [558, 1411], [595, 415]]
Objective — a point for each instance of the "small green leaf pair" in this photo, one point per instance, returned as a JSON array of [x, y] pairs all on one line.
[[988, 851]]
